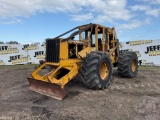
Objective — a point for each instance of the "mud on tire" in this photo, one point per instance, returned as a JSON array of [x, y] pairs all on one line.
[[128, 64], [90, 70]]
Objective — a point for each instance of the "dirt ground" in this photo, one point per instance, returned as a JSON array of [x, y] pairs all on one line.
[[125, 99]]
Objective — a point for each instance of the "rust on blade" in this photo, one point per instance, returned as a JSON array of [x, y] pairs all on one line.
[[45, 88]]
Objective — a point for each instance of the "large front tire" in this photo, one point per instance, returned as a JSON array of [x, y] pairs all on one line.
[[96, 70]]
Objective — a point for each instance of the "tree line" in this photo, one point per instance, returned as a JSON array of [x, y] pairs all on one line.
[[10, 42]]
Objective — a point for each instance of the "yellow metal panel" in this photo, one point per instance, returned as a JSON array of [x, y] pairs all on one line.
[[112, 58], [96, 37], [71, 64], [63, 50], [70, 61], [103, 39], [84, 52]]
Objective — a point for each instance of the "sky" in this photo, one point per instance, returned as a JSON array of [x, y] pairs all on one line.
[[28, 21]]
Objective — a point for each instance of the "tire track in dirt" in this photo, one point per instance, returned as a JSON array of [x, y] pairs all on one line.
[[150, 89]]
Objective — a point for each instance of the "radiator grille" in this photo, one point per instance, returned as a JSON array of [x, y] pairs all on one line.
[[52, 50]]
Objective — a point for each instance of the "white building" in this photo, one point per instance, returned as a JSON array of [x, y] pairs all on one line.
[[148, 52]]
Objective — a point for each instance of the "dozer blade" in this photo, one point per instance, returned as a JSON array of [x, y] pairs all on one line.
[[45, 88]]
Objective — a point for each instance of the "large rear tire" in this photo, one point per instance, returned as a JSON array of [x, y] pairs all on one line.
[[128, 64], [96, 71]]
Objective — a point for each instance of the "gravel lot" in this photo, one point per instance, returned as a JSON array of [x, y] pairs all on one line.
[[125, 99]]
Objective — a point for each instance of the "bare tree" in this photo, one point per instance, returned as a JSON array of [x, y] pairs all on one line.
[[12, 42], [1, 42]]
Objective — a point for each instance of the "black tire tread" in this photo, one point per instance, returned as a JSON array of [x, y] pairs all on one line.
[[124, 63], [88, 70]]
